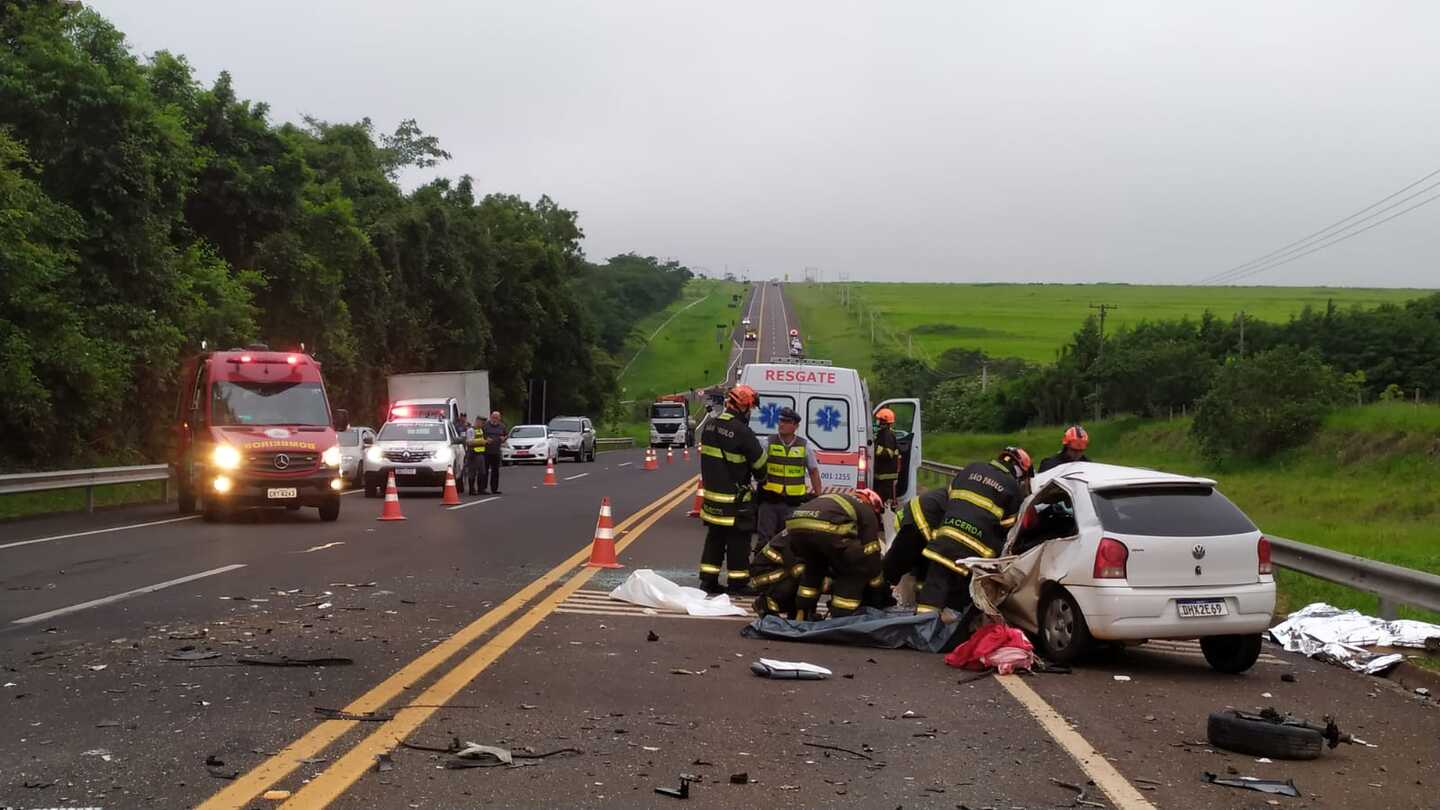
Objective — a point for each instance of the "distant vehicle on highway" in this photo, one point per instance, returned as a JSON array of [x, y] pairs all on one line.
[[418, 451], [530, 443], [439, 395], [751, 336], [353, 444], [670, 424], [574, 436], [1125, 554], [253, 427], [835, 404]]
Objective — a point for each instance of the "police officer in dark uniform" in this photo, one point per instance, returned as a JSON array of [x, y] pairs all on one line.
[[837, 536], [495, 434], [730, 460], [983, 501], [887, 456]]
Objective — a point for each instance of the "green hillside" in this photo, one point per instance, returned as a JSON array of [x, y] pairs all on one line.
[[677, 349], [1031, 321]]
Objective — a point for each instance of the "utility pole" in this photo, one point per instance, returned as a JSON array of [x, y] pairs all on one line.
[[872, 337], [984, 377], [1242, 333], [909, 345], [1104, 310]]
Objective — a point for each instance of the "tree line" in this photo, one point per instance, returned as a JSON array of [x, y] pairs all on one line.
[[141, 212], [1255, 387]]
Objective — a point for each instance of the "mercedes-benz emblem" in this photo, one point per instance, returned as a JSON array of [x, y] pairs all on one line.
[[1198, 552], [282, 462]]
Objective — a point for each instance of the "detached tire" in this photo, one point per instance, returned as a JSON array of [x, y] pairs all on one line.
[[1263, 739], [1064, 636], [1231, 654]]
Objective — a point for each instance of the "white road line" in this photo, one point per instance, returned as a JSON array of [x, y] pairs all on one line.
[[625, 464], [105, 600], [573, 477], [98, 531], [313, 549], [473, 503], [1121, 792]]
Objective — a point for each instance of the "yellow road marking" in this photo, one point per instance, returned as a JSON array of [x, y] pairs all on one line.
[[335, 780], [1118, 788], [266, 774]]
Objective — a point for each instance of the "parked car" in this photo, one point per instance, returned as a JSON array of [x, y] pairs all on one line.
[[418, 451], [1121, 554], [574, 436], [529, 443], [353, 444]]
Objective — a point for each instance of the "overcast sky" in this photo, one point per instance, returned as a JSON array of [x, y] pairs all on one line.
[[962, 141]]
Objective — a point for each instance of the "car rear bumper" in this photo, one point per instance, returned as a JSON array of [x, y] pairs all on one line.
[[1133, 614]]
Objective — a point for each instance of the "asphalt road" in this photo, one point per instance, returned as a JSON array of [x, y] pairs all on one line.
[[479, 624]]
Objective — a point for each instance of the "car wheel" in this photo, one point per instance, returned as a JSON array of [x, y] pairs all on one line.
[[1262, 738], [1231, 654], [213, 512], [330, 510], [591, 456], [1063, 635]]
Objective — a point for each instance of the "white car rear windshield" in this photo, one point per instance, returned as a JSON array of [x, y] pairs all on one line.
[[528, 433], [1170, 512], [413, 433]]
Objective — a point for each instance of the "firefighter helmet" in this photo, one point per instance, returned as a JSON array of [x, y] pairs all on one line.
[[873, 498], [1017, 461], [885, 416], [741, 398], [1076, 438]]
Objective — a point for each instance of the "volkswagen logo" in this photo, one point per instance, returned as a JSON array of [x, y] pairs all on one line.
[[282, 462], [1198, 552]]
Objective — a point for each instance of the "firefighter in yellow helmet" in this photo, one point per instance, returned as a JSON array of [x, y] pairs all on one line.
[[887, 456], [732, 464]]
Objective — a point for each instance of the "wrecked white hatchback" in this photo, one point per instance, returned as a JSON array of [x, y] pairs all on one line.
[[1121, 554]]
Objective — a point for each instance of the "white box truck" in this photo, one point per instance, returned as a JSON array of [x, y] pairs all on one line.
[[439, 394]]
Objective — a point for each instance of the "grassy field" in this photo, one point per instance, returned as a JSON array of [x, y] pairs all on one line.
[[684, 353], [1031, 321], [1368, 484]]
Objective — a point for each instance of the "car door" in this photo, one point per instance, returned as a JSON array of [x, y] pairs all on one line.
[[907, 436], [587, 441], [457, 449]]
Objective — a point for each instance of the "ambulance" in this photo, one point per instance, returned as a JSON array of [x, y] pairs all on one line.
[[838, 419]]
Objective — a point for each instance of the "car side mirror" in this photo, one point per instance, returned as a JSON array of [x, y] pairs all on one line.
[[342, 419], [369, 440]]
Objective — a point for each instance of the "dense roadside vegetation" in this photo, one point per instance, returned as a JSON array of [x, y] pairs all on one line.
[[141, 212]]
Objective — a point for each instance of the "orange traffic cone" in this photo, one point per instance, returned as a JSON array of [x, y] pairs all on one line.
[[685, 454], [550, 472], [699, 500], [602, 551], [669, 455], [452, 495], [391, 511], [650, 462]]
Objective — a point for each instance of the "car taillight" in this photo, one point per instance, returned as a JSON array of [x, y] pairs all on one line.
[[1262, 550], [1110, 559]]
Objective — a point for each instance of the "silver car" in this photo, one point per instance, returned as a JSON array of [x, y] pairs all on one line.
[[353, 443], [418, 451], [574, 437]]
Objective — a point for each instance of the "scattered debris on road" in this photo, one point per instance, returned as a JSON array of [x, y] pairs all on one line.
[[217, 768], [275, 795], [287, 661], [1079, 799], [682, 792], [193, 655], [383, 763], [742, 778], [842, 750], [364, 717], [652, 636], [1271, 734], [1123, 678], [797, 670], [996, 646], [1288, 677], [679, 671], [1327, 633], [1272, 786]]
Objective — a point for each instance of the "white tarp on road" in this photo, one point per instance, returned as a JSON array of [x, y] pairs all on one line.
[[647, 588], [1338, 636]]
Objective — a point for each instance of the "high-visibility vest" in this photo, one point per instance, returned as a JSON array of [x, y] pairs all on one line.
[[785, 471]]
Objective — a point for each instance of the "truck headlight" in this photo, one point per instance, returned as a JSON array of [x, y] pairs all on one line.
[[444, 455], [375, 456], [225, 457], [331, 457]]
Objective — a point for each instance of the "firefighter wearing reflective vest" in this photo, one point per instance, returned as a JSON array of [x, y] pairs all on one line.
[[837, 537], [915, 530], [730, 459], [792, 476], [887, 455], [775, 577], [983, 501]]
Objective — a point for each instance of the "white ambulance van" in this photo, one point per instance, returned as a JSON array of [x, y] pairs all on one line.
[[838, 419]]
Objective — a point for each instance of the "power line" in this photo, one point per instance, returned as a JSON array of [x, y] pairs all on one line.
[[1338, 240], [1326, 232]]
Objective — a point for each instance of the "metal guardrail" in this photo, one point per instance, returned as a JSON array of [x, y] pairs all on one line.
[[16, 483], [1393, 584], [617, 443]]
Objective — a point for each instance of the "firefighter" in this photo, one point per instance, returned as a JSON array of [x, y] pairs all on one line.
[[775, 577], [837, 537], [730, 459], [475, 457], [1072, 448], [792, 476], [887, 456], [915, 531], [983, 501]]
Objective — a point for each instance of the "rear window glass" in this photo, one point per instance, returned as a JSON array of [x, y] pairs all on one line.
[[1170, 512], [565, 425], [528, 432], [765, 416], [827, 423]]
